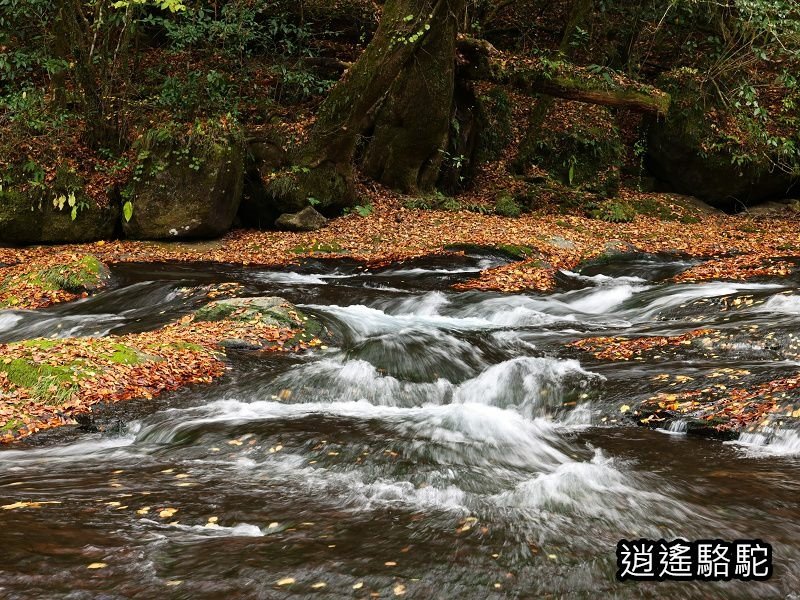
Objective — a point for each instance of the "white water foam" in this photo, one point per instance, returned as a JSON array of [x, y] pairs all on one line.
[[604, 279], [290, 277], [484, 263], [677, 427], [604, 299], [782, 304], [214, 530], [774, 443], [8, 320], [596, 489], [681, 294]]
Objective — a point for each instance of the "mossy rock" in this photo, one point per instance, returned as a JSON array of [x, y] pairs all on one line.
[[579, 149], [692, 155], [507, 206], [53, 384], [326, 186], [185, 185], [272, 311], [30, 216]]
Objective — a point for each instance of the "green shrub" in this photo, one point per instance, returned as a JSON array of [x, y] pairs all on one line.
[[614, 212], [506, 206]]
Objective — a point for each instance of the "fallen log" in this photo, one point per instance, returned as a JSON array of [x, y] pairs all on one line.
[[479, 60]]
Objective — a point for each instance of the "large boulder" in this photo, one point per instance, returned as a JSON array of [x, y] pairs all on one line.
[[710, 152], [328, 186], [185, 185], [61, 213]]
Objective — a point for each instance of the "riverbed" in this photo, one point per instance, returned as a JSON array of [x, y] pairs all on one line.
[[441, 444]]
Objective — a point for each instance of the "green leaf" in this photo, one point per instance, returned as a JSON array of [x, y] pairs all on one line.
[[571, 174], [364, 211], [74, 213], [127, 211]]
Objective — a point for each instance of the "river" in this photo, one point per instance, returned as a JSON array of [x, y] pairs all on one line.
[[442, 444]]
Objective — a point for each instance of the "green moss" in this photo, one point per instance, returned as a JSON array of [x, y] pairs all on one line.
[[187, 346], [214, 312], [423, 203], [615, 212], [506, 206], [42, 343], [12, 425], [584, 153], [87, 274], [125, 355], [517, 251], [52, 385], [218, 311]]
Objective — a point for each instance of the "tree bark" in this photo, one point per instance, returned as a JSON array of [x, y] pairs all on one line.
[[382, 96]]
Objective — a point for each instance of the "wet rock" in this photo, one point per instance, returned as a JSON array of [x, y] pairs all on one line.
[[265, 312], [773, 208], [614, 247], [188, 187], [271, 310], [560, 242], [307, 219]]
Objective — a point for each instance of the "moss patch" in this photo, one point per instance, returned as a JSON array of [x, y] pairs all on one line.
[[37, 285]]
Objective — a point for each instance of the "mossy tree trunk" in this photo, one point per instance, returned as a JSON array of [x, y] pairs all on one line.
[[397, 97], [411, 128]]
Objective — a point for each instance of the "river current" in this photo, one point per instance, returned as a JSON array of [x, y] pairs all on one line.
[[442, 444]]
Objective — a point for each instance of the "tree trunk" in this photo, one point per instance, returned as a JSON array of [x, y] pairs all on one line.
[[74, 27], [411, 128], [383, 96]]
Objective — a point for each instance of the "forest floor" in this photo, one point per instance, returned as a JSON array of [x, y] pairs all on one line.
[[82, 372]]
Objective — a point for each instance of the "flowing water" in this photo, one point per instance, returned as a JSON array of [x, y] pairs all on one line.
[[442, 445]]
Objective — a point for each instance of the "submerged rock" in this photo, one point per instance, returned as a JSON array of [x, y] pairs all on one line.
[[307, 219], [186, 186], [252, 323]]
